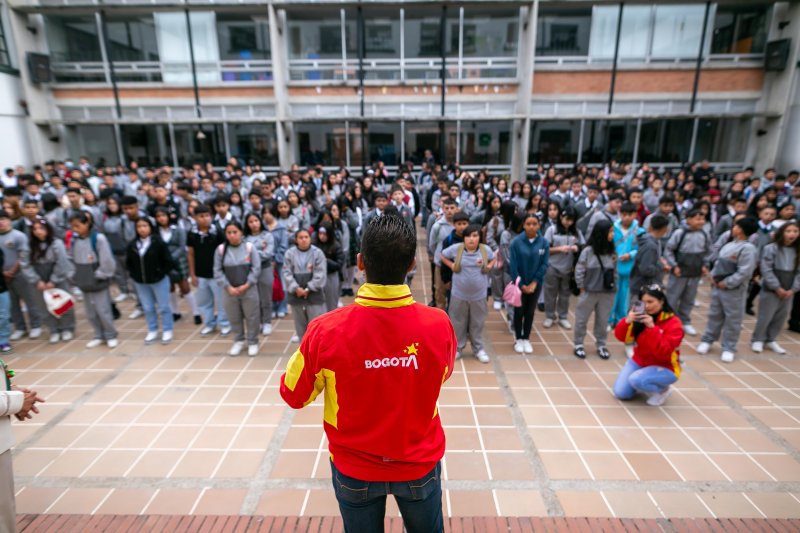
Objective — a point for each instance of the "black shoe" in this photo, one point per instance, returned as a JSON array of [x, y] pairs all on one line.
[[176, 316], [198, 320], [603, 352], [750, 311], [432, 303], [794, 327], [540, 307], [580, 352]]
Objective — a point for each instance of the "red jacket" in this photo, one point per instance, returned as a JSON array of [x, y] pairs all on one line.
[[657, 345], [381, 363]]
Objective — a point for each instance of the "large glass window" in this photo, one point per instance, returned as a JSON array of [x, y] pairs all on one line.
[[5, 56], [316, 41], [422, 34], [322, 144], [204, 43], [173, 45], [677, 30], [243, 39], [383, 143], [739, 29], [421, 136], [563, 32], [94, 142], [605, 141], [665, 141], [149, 145], [489, 34], [75, 40], [382, 41], [485, 143], [253, 143], [554, 142], [722, 139], [634, 37], [132, 41], [196, 143]]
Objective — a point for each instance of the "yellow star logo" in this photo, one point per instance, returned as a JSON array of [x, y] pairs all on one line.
[[411, 349]]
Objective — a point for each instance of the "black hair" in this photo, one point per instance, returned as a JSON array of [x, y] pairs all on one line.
[[598, 239], [448, 201], [460, 216], [666, 199], [628, 207], [153, 233], [517, 221], [780, 242], [657, 292], [507, 210], [221, 199], [81, 216], [127, 200], [38, 252], [616, 196], [748, 225], [329, 245], [475, 228], [379, 194], [162, 210], [202, 208], [247, 231], [693, 212], [388, 248], [568, 212], [658, 222], [50, 202]]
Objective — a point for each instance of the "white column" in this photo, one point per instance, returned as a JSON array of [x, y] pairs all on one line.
[[280, 80], [521, 129]]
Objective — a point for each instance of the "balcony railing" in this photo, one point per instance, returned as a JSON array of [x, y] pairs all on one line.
[[715, 59], [234, 70]]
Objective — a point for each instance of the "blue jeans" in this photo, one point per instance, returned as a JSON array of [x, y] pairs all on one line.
[[208, 293], [155, 301], [5, 317], [363, 503], [633, 379]]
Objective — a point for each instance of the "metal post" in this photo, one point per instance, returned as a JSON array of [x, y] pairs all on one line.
[[607, 140], [101, 18], [361, 47], [197, 111], [699, 58], [402, 44], [173, 148], [443, 76]]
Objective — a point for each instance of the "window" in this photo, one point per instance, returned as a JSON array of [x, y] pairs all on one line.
[[132, 39], [740, 30], [321, 144], [383, 143], [173, 46], [149, 145], [316, 42], [243, 39], [633, 43], [204, 44], [95, 142], [75, 40], [492, 33], [554, 142], [421, 136], [253, 143], [563, 32], [605, 141], [665, 141], [382, 41], [677, 30], [485, 143], [210, 148], [722, 139], [5, 55], [422, 36]]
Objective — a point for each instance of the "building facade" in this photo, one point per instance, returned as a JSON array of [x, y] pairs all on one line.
[[498, 84]]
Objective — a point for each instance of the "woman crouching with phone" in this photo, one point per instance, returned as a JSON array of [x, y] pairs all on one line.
[[657, 334]]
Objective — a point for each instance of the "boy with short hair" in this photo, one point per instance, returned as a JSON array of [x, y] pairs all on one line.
[[649, 265], [398, 200], [223, 217], [15, 252], [456, 236], [201, 245], [381, 201], [626, 230], [440, 230], [688, 254]]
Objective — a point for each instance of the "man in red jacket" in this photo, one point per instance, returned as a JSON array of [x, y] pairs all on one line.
[[380, 363]]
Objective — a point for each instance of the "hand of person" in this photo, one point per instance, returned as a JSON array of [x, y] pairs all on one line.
[[676, 271], [573, 248], [789, 294], [29, 404], [232, 291], [8, 275], [631, 317], [532, 286], [647, 320], [195, 282], [41, 285], [625, 257], [705, 271], [299, 292], [721, 285], [525, 289]]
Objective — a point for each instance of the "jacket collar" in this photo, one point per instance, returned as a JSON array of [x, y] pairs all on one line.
[[384, 296]]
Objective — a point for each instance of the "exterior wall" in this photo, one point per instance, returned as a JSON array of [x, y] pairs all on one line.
[[15, 148]]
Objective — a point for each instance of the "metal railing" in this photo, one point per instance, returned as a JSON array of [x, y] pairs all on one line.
[[229, 70], [716, 59]]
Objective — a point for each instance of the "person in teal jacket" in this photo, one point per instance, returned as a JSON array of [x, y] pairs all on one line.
[[529, 257], [626, 233]]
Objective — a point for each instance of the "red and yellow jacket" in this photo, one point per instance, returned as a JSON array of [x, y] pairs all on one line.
[[657, 345], [381, 363]]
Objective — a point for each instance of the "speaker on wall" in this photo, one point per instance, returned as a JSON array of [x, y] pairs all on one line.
[[776, 55], [39, 68]]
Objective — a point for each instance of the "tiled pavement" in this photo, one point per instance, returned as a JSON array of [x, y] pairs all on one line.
[[183, 429]]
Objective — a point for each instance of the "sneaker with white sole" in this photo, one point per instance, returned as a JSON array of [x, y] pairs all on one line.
[[225, 331], [727, 357], [519, 347], [564, 323], [757, 347], [658, 398], [689, 330], [112, 343], [526, 345], [151, 337], [66, 336], [548, 323], [17, 335], [482, 356], [266, 329], [775, 347], [497, 306], [281, 315], [237, 348], [120, 298], [166, 337], [136, 313], [35, 333], [629, 350], [207, 330], [458, 355], [294, 338], [94, 343], [703, 348], [252, 350], [54, 338]]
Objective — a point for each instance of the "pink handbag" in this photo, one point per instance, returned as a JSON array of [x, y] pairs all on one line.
[[512, 294]]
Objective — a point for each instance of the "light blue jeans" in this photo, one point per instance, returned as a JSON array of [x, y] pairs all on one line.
[[635, 379], [209, 293], [155, 301], [5, 317]]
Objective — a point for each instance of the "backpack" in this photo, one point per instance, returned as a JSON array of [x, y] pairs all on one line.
[[460, 253]]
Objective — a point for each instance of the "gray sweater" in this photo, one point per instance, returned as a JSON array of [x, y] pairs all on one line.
[[54, 266], [589, 270], [779, 268], [15, 246], [308, 269], [696, 247], [736, 263], [561, 263], [94, 266], [236, 265]]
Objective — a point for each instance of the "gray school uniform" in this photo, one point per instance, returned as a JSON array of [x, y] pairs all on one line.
[[595, 298], [112, 229], [468, 297], [307, 269], [559, 271], [264, 244], [15, 248], [598, 216], [233, 267], [778, 270], [439, 232], [94, 268], [735, 266], [54, 267], [695, 253], [494, 230], [647, 268]]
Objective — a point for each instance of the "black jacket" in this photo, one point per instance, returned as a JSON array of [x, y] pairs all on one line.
[[647, 267], [153, 265]]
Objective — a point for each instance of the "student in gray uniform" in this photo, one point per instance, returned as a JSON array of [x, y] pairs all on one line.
[[237, 266], [94, 269], [649, 265], [733, 269], [304, 276], [325, 240], [15, 248], [111, 227], [565, 241], [688, 254], [780, 281], [596, 277], [471, 263], [494, 231], [264, 243], [47, 266]]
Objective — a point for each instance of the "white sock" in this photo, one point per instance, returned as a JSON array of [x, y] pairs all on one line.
[[190, 299], [173, 303]]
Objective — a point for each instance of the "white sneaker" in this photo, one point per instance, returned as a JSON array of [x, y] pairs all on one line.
[[548, 323], [703, 348], [519, 347], [497, 306], [112, 343], [482, 356], [266, 329], [775, 347], [458, 355], [94, 343], [135, 314], [629, 350], [609, 328], [35, 333], [757, 347], [121, 297], [151, 337], [689, 330], [166, 337], [526, 345], [207, 330], [78, 294], [252, 350], [54, 338], [659, 397], [225, 331], [66, 336], [564, 323], [294, 338], [727, 357], [237, 348], [17, 335], [274, 314], [281, 315]]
